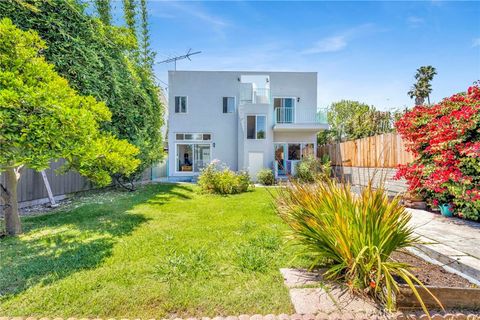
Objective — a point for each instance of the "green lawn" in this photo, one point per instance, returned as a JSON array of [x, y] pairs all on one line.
[[162, 251]]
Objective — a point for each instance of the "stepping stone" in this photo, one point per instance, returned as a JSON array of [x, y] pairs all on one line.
[[294, 278], [334, 300], [326, 296]]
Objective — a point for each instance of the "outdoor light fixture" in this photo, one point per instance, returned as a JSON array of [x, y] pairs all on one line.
[[298, 99]]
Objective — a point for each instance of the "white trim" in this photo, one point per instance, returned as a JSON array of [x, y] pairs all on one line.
[[246, 125], [234, 105], [186, 105], [190, 173]]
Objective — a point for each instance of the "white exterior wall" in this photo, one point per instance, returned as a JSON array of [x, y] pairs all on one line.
[[205, 90]]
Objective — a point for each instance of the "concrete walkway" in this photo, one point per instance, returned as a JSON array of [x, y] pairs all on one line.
[[453, 242]]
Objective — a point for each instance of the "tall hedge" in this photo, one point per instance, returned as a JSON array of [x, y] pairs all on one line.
[[96, 59]]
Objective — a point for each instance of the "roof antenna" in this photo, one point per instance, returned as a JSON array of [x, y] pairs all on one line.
[[185, 56]]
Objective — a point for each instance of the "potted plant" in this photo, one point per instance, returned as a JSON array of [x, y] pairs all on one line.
[[413, 199]]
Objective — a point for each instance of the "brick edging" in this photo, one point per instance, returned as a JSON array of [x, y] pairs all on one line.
[[319, 316]]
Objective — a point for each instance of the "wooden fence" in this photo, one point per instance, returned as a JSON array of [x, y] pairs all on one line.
[[31, 188], [381, 151]]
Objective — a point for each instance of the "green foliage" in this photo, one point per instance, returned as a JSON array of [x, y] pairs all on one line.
[[354, 235], [147, 55], [42, 118], [221, 180], [95, 59], [266, 177], [310, 168], [104, 11], [351, 120], [129, 10], [422, 88]]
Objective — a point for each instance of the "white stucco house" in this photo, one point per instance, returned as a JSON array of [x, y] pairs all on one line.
[[247, 120]]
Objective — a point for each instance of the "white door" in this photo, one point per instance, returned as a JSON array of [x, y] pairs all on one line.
[[255, 164]]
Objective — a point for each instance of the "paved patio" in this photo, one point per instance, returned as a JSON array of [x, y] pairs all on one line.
[[453, 242]]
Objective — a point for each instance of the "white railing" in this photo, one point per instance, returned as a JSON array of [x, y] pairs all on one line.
[[284, 115]]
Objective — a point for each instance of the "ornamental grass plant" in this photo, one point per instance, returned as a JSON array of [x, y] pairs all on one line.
[[354, 235]]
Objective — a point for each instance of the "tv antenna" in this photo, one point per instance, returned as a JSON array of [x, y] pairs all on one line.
[[185, 56]]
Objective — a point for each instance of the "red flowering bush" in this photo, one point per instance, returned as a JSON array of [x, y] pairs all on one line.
[[445, 139]]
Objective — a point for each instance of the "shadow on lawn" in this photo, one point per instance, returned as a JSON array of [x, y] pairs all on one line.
[[57, 245]]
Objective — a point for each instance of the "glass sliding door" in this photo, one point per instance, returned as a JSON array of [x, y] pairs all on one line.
[[280, 158], [308, 150], [192, 157], [202, 156], [184, 157]]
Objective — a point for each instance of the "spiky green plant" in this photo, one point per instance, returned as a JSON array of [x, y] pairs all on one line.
[[354, 234]]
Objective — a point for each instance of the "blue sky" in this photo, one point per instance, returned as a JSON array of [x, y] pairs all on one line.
[[366, 51]]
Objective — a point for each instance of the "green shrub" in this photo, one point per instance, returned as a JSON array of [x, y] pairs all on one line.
[[354, 235], [219, 179], [311, 168], [266, 177]]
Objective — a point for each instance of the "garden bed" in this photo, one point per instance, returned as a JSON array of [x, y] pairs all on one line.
[[430, 274], [452, 290]]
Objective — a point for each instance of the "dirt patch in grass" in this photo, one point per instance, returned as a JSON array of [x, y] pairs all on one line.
[[431, 274]]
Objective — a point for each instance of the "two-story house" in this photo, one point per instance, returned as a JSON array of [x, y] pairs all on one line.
[[247, 120]]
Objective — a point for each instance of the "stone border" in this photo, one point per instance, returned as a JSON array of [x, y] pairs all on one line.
[[319, 316]]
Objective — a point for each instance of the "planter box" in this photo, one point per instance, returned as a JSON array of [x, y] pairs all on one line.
[[468, 298], [422, 205]]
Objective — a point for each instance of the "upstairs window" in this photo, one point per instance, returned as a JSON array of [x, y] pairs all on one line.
[[228, 104], [180, 104], [256, 127], [283, 102]]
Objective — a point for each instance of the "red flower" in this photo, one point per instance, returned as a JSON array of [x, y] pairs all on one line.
[[445, 140]]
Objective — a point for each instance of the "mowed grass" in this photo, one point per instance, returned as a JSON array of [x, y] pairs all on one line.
[[162, 251]]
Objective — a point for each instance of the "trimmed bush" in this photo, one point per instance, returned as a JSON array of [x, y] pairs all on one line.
[[353, 235], [311, 168], [216, 178], [266, 177]]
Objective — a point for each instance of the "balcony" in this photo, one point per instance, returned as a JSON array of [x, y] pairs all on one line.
[[300, 119], [252, 95]]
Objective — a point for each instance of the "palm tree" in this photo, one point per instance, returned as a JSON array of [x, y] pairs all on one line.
[[422, 88]]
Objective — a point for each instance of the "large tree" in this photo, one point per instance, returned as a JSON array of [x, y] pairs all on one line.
[[422, 88], [351, 120], [97, 59], [42, 119]]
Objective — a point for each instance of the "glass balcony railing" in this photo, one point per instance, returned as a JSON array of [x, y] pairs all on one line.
[[248, 94], [301, 115]]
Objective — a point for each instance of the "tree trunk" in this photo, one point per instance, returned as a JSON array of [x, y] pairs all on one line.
[[9, 196]]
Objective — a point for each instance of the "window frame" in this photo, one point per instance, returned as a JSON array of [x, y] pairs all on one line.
[[192, 144], [234, 104], [293, 108], [256, 126], [283, 98], [183, 134], [180, 106]]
